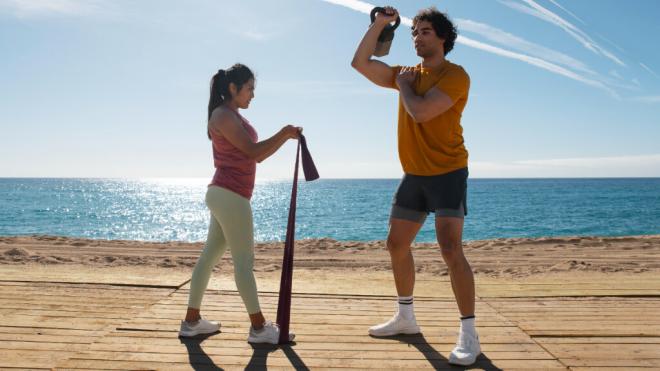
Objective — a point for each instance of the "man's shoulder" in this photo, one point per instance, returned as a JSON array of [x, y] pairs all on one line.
[[457, 69]]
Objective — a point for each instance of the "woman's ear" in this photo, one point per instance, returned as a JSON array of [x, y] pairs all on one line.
[[233, 90]]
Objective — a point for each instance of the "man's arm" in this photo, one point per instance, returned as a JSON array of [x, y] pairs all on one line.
[[421, 108], [376, 71]]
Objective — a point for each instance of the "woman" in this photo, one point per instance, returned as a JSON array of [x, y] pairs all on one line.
[[236, 152]]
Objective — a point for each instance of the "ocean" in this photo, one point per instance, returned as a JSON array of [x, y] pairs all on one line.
[[341, 209]]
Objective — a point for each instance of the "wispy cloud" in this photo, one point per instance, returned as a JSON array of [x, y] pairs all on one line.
[[649, 70], [364, 7], [358, 5], [253, 34], [567, 11], [610, 42], [34, 8], [586, 162], [549, 55], [538, 63], [611, 166], [518, 43], [536, 10]]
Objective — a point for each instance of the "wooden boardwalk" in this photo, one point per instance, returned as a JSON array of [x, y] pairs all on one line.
[[128, 322]]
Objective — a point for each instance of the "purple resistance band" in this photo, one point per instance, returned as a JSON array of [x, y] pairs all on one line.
[[284, 302]]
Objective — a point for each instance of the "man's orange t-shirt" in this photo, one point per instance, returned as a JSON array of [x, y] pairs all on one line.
[[434, 147]]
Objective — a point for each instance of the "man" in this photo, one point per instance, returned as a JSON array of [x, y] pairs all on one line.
[[432, 96]]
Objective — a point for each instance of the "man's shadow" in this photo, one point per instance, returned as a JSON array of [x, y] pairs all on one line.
[[259, 359], [437, 361], [199, 360]]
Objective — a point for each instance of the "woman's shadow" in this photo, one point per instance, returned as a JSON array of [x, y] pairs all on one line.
[[259, 358], [198, 359], [437, 361]]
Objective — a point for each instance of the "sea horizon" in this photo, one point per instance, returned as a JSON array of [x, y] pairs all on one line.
[[173, 209]]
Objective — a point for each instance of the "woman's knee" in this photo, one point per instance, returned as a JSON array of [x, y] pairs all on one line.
[[243, 261]]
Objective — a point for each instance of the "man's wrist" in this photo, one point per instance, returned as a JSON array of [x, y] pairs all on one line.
[[403, 85], [379, 26]]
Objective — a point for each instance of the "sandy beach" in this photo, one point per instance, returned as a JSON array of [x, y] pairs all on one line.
[[509, 257]]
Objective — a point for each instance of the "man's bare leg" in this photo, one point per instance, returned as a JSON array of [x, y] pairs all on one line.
[[449, 231], [401, 235], [399, 238]]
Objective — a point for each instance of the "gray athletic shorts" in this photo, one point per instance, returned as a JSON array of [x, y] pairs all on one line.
[[417, 196]]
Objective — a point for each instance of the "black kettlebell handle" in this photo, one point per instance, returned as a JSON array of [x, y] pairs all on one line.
[[389, 29]]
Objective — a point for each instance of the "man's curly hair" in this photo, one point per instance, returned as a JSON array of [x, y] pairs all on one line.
[[443, 27]]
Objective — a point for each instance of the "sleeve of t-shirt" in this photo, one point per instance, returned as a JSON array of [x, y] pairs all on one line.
[[455, 84], [396, 70]]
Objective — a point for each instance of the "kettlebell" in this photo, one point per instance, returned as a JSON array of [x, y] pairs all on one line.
[[386, 36]]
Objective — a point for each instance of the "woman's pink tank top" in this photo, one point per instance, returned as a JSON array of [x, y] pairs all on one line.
[[234, 170]]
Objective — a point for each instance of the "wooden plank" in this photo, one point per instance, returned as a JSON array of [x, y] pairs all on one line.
[[598, 340], [95, 275], [446, 337], [143, 334], [261, 359], [571, 362], [32, 359], [605, 351], [173, 344]]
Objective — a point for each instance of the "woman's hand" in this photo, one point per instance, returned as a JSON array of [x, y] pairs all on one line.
[[292, 132]]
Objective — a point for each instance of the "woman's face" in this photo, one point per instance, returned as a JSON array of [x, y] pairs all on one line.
[[243, 97]]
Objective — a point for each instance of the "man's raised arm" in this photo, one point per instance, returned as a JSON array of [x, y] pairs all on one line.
[[376, 71]]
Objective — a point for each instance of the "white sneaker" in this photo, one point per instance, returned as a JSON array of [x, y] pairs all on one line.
[[200, 327], [467, 349], [269, 334], [396, 325]]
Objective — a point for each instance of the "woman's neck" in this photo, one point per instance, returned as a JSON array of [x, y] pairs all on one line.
[[231, 105]]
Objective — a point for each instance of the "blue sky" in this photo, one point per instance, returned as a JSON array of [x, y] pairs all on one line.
[[104, 88]]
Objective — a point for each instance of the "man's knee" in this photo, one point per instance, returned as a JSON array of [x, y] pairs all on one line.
[[397, 247], [452, 251]]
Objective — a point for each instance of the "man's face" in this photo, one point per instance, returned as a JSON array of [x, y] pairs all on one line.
[[427, 43]]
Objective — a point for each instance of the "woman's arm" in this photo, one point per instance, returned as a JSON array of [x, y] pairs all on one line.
[[229, 126], [274, 148]]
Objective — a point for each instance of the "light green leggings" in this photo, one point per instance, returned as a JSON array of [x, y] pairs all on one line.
[[231, 225]]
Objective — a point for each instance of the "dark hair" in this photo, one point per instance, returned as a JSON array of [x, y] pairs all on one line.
[[239, 74], [442, 26]]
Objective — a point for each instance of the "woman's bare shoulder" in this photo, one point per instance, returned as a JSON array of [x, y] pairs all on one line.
[[223, 116]]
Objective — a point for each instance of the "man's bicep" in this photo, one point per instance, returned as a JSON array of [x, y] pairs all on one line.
[[379, 73]]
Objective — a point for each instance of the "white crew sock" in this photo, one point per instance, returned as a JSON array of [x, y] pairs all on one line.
[[406, 308], [467, 325]]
